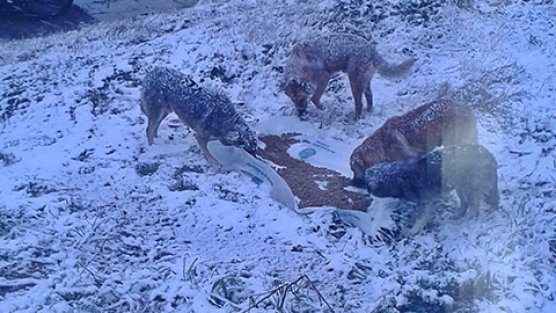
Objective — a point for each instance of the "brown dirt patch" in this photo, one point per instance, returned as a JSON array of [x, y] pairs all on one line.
[[304, 179]]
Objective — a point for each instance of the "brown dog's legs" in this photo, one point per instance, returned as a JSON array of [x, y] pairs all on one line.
[[473, 209], [369, 97], [463, 204], [357, 92], [321, 87], [492, 198]]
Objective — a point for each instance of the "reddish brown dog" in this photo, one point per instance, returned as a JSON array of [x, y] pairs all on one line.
[[415, 133], [313, 62]]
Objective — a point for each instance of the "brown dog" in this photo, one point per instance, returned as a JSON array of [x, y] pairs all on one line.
[[415, 133], [312, 63]]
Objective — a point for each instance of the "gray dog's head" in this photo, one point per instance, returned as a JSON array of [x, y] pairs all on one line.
[[384, 179], [372, 180], [243, 138]]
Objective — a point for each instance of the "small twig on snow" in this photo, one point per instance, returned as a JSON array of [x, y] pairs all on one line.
[[282, 291]]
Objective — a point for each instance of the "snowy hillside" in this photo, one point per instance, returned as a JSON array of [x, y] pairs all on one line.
[[93, 219]]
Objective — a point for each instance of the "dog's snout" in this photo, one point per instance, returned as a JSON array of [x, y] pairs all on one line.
[[252, 152], [358, 181], [302, 113]]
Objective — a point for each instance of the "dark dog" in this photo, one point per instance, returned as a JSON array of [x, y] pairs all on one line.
[[415, 133], [209, 113], [470, 170]]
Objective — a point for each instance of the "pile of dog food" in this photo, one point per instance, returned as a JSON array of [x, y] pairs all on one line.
[[314, 186]]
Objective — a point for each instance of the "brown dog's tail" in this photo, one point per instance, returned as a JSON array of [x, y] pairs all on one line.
[[392, 71]]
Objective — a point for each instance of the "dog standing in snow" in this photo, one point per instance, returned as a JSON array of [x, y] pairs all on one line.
[[210, 114], [313, 62], [470, 170], [415, 133]]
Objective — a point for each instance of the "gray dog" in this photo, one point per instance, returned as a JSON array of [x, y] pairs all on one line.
[[209, 113], [470, 170]]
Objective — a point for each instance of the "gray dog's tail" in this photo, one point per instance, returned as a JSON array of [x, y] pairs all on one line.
[[392, 71]]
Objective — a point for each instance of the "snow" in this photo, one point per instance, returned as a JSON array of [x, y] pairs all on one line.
[[92, 219], [117, 9], [261, 173]]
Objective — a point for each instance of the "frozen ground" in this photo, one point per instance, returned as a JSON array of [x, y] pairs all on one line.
[[92, 219]]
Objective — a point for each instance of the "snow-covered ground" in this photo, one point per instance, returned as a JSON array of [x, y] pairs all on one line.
[[92, 219], [108, 10]]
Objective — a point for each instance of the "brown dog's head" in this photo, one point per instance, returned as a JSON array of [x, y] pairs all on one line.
[[367, 154], [299, 92]]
